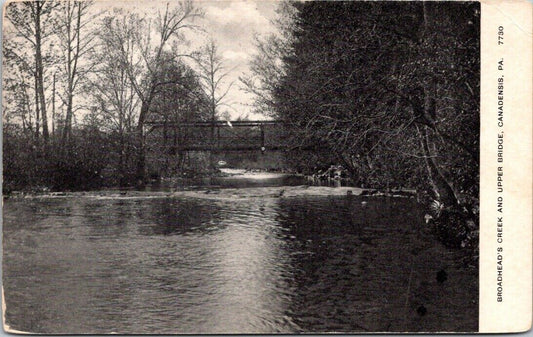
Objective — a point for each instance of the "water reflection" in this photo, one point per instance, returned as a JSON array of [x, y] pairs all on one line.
[[253, 271], [241, 179], [174, 217], [221, 265], [236, 181]]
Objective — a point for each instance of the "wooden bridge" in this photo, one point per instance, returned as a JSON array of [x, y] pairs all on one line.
[[219, 136]]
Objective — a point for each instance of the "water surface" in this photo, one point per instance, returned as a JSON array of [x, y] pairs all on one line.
[[241, 260]]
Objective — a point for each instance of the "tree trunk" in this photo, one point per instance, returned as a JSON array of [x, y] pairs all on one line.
[[53, 105], [37, 114], [39, 70], [213, 120], [441, 188], [67, 130], [141, 158], [68, 116], [141, 155], [73, 55], [121, 161]]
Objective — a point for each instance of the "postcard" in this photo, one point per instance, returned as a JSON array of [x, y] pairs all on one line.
[[266, 167]]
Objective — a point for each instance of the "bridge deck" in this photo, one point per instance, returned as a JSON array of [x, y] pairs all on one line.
[[216, 124], [219, 136]]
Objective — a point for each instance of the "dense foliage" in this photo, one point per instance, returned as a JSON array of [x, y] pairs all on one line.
[[389, 90]]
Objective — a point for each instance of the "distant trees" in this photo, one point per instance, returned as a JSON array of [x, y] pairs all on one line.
[[75, 42], [268, 67], [181, 99], [142, 56], [212, 75], [114, 98], [103, 76]]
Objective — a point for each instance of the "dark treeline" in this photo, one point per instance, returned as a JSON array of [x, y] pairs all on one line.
[[388, 90], [82, 80]]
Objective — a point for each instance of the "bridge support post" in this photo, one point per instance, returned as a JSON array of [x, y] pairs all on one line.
[[262, 138]]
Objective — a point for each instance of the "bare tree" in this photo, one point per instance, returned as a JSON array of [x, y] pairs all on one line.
[[212, 74], [75, 42], [31, 21], [267, 66], [111, 90], [142, 56]]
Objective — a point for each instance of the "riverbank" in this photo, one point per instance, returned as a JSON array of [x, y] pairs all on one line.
[[202, 192], [214, 182], [227, 183]]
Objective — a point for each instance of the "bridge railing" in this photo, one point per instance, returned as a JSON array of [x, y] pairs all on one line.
[[218, 135]]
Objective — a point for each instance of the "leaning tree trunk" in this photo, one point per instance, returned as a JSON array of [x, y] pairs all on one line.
[[442, 190]]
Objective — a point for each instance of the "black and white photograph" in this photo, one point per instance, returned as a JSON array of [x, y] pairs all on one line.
[[237, 167]]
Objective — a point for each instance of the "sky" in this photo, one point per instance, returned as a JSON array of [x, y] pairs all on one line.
[[232, 25]]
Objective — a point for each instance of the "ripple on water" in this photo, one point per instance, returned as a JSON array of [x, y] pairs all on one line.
[[256, 263]]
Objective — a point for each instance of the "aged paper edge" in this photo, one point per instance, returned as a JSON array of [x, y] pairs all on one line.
[[514, 313], [509, 308], [6, 326]]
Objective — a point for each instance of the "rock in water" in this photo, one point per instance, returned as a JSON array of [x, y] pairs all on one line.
[[421, 310], [442, 276]]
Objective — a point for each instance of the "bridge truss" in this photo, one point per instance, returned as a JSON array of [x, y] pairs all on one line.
[[219, 136]]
